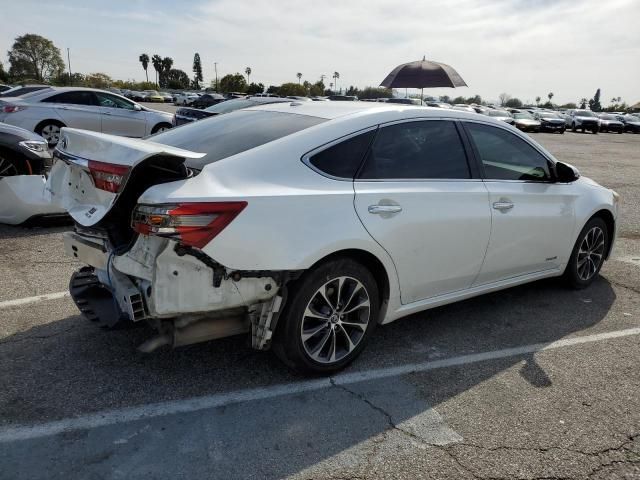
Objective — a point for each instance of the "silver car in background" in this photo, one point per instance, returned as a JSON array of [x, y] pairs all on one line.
[[583, 120], [47, 111], [501, 115]]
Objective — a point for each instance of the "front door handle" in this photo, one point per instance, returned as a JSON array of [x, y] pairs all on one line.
[[503, 206], [381, 209]]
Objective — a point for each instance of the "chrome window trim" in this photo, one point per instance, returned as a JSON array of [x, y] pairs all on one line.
[[71, 159]]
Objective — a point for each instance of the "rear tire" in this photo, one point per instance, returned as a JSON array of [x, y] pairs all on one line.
[[9, 166], [161, 127], [573, 127], [330, 314], [50, 131], [588, 254]]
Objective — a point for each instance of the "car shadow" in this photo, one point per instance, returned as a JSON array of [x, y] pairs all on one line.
[[69, 367]]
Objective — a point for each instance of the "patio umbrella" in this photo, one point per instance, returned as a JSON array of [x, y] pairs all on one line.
[[423, 74]]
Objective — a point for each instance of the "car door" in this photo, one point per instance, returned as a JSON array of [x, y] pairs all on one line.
[[532, 216], [120, 116], [416, 196], [77, 109]]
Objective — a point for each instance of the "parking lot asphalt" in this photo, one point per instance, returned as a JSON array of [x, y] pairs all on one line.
[[533, 382]]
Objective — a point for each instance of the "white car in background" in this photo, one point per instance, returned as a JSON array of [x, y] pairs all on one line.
[[47, 111], [185, 98], [306, 224]]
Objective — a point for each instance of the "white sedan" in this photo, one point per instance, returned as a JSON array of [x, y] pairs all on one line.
[[47, 111], [185, 98], [307, 224]]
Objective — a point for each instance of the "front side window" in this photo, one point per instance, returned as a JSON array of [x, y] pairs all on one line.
[[111, 101], [429, 149], [343, 159], [505, 156]]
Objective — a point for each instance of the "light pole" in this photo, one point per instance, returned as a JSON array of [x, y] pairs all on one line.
[[69, 62]]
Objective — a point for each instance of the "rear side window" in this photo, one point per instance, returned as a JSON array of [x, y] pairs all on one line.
[[505, 156], [73, 98], [429, 149], [225, 135], [343, 159]]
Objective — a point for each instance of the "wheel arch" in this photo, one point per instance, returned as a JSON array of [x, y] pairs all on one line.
[[160, 124], [373, 264], [610, 222]]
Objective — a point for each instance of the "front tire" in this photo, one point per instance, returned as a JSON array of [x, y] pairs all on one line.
[[330, 315], [588, 254]]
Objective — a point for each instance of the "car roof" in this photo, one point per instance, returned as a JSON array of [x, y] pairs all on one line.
[[332, 110]]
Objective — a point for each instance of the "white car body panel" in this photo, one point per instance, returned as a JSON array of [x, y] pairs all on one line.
[[433, 252], [23, 197]]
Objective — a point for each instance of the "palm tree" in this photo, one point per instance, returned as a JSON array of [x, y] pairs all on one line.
[[248, 72], [144, 60], [550, 95], [537, 100], [336, 76], [299, 75], [583, 102], [156, 60], [165, 66]]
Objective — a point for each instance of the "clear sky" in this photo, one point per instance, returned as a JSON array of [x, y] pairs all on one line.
[[526, 48]]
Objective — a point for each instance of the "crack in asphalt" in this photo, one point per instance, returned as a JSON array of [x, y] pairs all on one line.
[[449, 450]]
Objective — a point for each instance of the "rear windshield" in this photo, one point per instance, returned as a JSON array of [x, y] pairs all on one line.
[[498, 113], [226, 135], [584, 113]]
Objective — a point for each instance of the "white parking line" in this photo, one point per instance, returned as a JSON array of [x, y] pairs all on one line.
[[126, 415], [27, 300]]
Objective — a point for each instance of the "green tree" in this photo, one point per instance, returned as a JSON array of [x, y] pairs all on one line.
[[144, 60], [273, 89], [537, 100], [594, 103], [477, 99], [287, 89], [165, 67], [248, 72], [4, 77], [299, 75], [36, 57], [317, 89], [569, 105], [233, 83], [513, 103], [96, 80], [550, 96], [445, 98], [583, 103], [459, 100], [176, 79], [375, 92], [254, 88], [504, 98], [156, 61], [197, 70]]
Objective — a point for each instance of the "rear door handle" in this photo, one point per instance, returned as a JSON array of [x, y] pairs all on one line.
[[379, 209], [503, 206]]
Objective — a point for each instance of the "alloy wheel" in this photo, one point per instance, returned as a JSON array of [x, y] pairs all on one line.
[[335, 320], [7, 168], [51, 133], [590, 253]]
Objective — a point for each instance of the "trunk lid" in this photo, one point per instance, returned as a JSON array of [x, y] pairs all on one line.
[[93, 170]]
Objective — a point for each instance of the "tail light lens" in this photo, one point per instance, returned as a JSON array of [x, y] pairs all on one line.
[[107, 176], [12, 108], [193, 224]]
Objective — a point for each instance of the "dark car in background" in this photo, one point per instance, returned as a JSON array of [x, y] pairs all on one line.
[[22, 152], [343, 98], [22, 90], [207, 100], [550, 121], [187, 115], [610, 123], [631, 123]]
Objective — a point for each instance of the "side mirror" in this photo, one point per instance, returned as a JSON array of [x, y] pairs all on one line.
[[566, 173], [137, 107]]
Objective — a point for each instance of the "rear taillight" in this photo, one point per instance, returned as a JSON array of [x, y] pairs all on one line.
[[107, 176], [193, 224], [12, 108]]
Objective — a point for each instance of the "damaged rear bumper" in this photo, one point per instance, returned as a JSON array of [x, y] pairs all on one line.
[[184, 294], [22, 198]]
